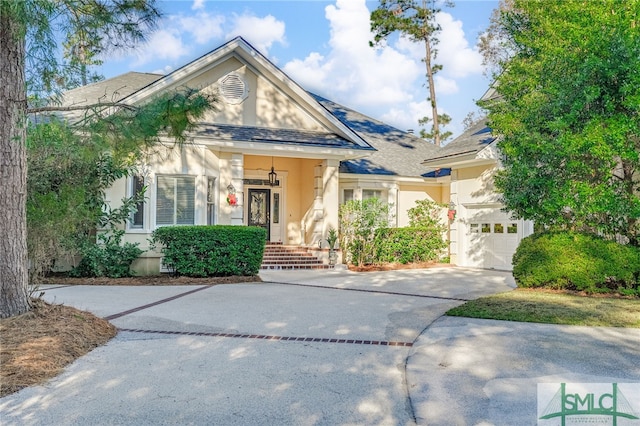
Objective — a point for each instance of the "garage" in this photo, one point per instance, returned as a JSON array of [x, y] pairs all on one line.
[[492, 237]]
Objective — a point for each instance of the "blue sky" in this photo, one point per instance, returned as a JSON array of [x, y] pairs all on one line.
[[323, 45]]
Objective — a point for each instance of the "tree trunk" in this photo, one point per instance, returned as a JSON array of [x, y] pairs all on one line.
[[432, 92], [14, 295], [432, 87]]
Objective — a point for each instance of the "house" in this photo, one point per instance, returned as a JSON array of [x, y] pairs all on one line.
[[482, 234], [277, 156]]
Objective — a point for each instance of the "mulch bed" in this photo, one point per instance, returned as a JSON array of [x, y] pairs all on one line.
[[37, 345], [151, 280], [397, 266]]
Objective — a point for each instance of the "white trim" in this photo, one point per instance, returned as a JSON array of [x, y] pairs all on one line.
[[494, 205], [353, 178], [241, 49], [145, 213], [195, 199], [283, 176], [281, 150]]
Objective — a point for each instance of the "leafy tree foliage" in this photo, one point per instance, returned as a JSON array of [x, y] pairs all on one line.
[[427, 214], [30, 32], [84, 29], [415, 19], [569, 113], [359, 219], [70, 167]]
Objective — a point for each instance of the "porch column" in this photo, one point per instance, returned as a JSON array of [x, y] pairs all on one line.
[[231, 174], [392, 200], [456, 237], [318, 209], [330, 195]]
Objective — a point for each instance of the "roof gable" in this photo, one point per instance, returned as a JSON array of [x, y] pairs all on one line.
[[284, 88], [476, 143]]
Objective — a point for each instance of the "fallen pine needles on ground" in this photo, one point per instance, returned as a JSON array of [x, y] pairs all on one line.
[[37, 345]]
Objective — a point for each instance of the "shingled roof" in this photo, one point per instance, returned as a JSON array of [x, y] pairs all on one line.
[[106, 91], [272, 136], [398, 153], [473, 140]]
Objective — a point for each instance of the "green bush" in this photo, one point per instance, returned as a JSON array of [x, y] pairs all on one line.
[[219, 250], [358, 222], [408, 245], [108, 258], [575, 261], [427, 214]]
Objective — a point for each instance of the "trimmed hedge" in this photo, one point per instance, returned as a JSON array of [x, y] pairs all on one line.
[[575, 261], [218, 250], [408, 245]]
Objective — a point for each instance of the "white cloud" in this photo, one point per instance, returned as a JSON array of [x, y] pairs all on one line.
[[202, 26], [445, 86], [454, 53], [167, 69], [165, 44], [260, 32], [406, 117], [387, 82], [353, 71], [197, 4]]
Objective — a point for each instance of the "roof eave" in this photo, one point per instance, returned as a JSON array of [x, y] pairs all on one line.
[[458, 161], [279, 150], [244, 50], [408, 180]]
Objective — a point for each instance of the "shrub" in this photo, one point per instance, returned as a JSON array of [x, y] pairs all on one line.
[[358, 222], [219, 250], [574, 261], [427, 214], [108, 258], [408, 245]]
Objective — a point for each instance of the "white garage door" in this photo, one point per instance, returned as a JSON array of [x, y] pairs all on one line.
[[492, 238]]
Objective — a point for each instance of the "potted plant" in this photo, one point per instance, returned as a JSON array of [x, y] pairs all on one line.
[[332, 239]]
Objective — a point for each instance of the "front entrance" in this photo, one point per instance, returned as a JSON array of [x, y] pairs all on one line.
[[259, 209]]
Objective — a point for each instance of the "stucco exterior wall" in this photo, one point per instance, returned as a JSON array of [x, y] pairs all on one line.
[[265, 105], [475, 185], [408, 195]]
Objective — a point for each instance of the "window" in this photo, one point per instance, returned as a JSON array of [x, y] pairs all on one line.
[[512, 228], [498, 228], [486, 228], [347, 195], [276, 207], [371, 193], [474, 228], [175, 200], [136, 221], [211, 196]]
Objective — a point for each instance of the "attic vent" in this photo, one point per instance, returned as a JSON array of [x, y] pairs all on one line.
[[233, 88]]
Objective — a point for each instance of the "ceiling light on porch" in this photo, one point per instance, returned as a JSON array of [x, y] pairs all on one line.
[[273, 176]]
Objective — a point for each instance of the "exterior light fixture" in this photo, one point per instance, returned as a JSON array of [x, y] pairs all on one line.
[[273, 176]]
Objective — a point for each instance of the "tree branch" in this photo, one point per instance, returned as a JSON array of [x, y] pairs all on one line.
[[81, 107]]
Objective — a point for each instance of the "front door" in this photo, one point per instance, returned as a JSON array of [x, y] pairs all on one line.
[[259, 208]]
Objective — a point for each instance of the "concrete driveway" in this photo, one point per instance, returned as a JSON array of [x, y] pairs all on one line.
[[315, 348]]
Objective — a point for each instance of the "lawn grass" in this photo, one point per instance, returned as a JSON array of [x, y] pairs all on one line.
[[542, 306]]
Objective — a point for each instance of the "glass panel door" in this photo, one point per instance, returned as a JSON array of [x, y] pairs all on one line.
[[259, 208]]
